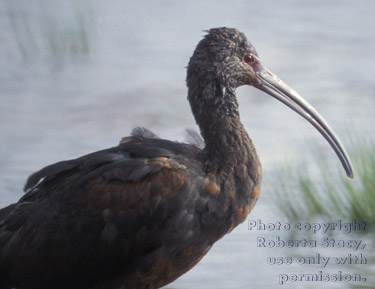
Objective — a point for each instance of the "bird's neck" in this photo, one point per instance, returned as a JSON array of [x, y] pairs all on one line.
[[228, 146]]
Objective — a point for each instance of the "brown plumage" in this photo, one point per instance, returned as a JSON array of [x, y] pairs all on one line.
[[142, 213]]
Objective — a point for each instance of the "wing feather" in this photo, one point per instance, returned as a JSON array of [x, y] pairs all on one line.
[[81, 213]]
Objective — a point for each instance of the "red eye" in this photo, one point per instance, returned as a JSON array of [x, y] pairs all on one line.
[[249, 58]]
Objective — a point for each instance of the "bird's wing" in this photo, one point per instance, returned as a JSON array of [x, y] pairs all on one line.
[[133, 199]]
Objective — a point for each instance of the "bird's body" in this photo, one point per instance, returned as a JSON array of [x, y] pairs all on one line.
[[142, 213]]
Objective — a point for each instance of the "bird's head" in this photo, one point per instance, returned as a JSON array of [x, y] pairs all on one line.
[[224, 60], [225, 56]]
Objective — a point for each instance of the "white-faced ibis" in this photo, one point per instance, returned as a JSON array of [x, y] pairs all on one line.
[[141, 214]]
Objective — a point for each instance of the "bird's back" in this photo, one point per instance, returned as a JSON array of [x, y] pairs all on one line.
[[125, 214]]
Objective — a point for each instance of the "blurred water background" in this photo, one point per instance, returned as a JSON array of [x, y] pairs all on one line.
[[76, 76]]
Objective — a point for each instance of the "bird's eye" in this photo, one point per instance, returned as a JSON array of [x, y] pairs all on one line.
[[249, 58]]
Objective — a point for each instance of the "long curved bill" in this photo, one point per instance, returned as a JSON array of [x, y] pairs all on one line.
[[273, 86]]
